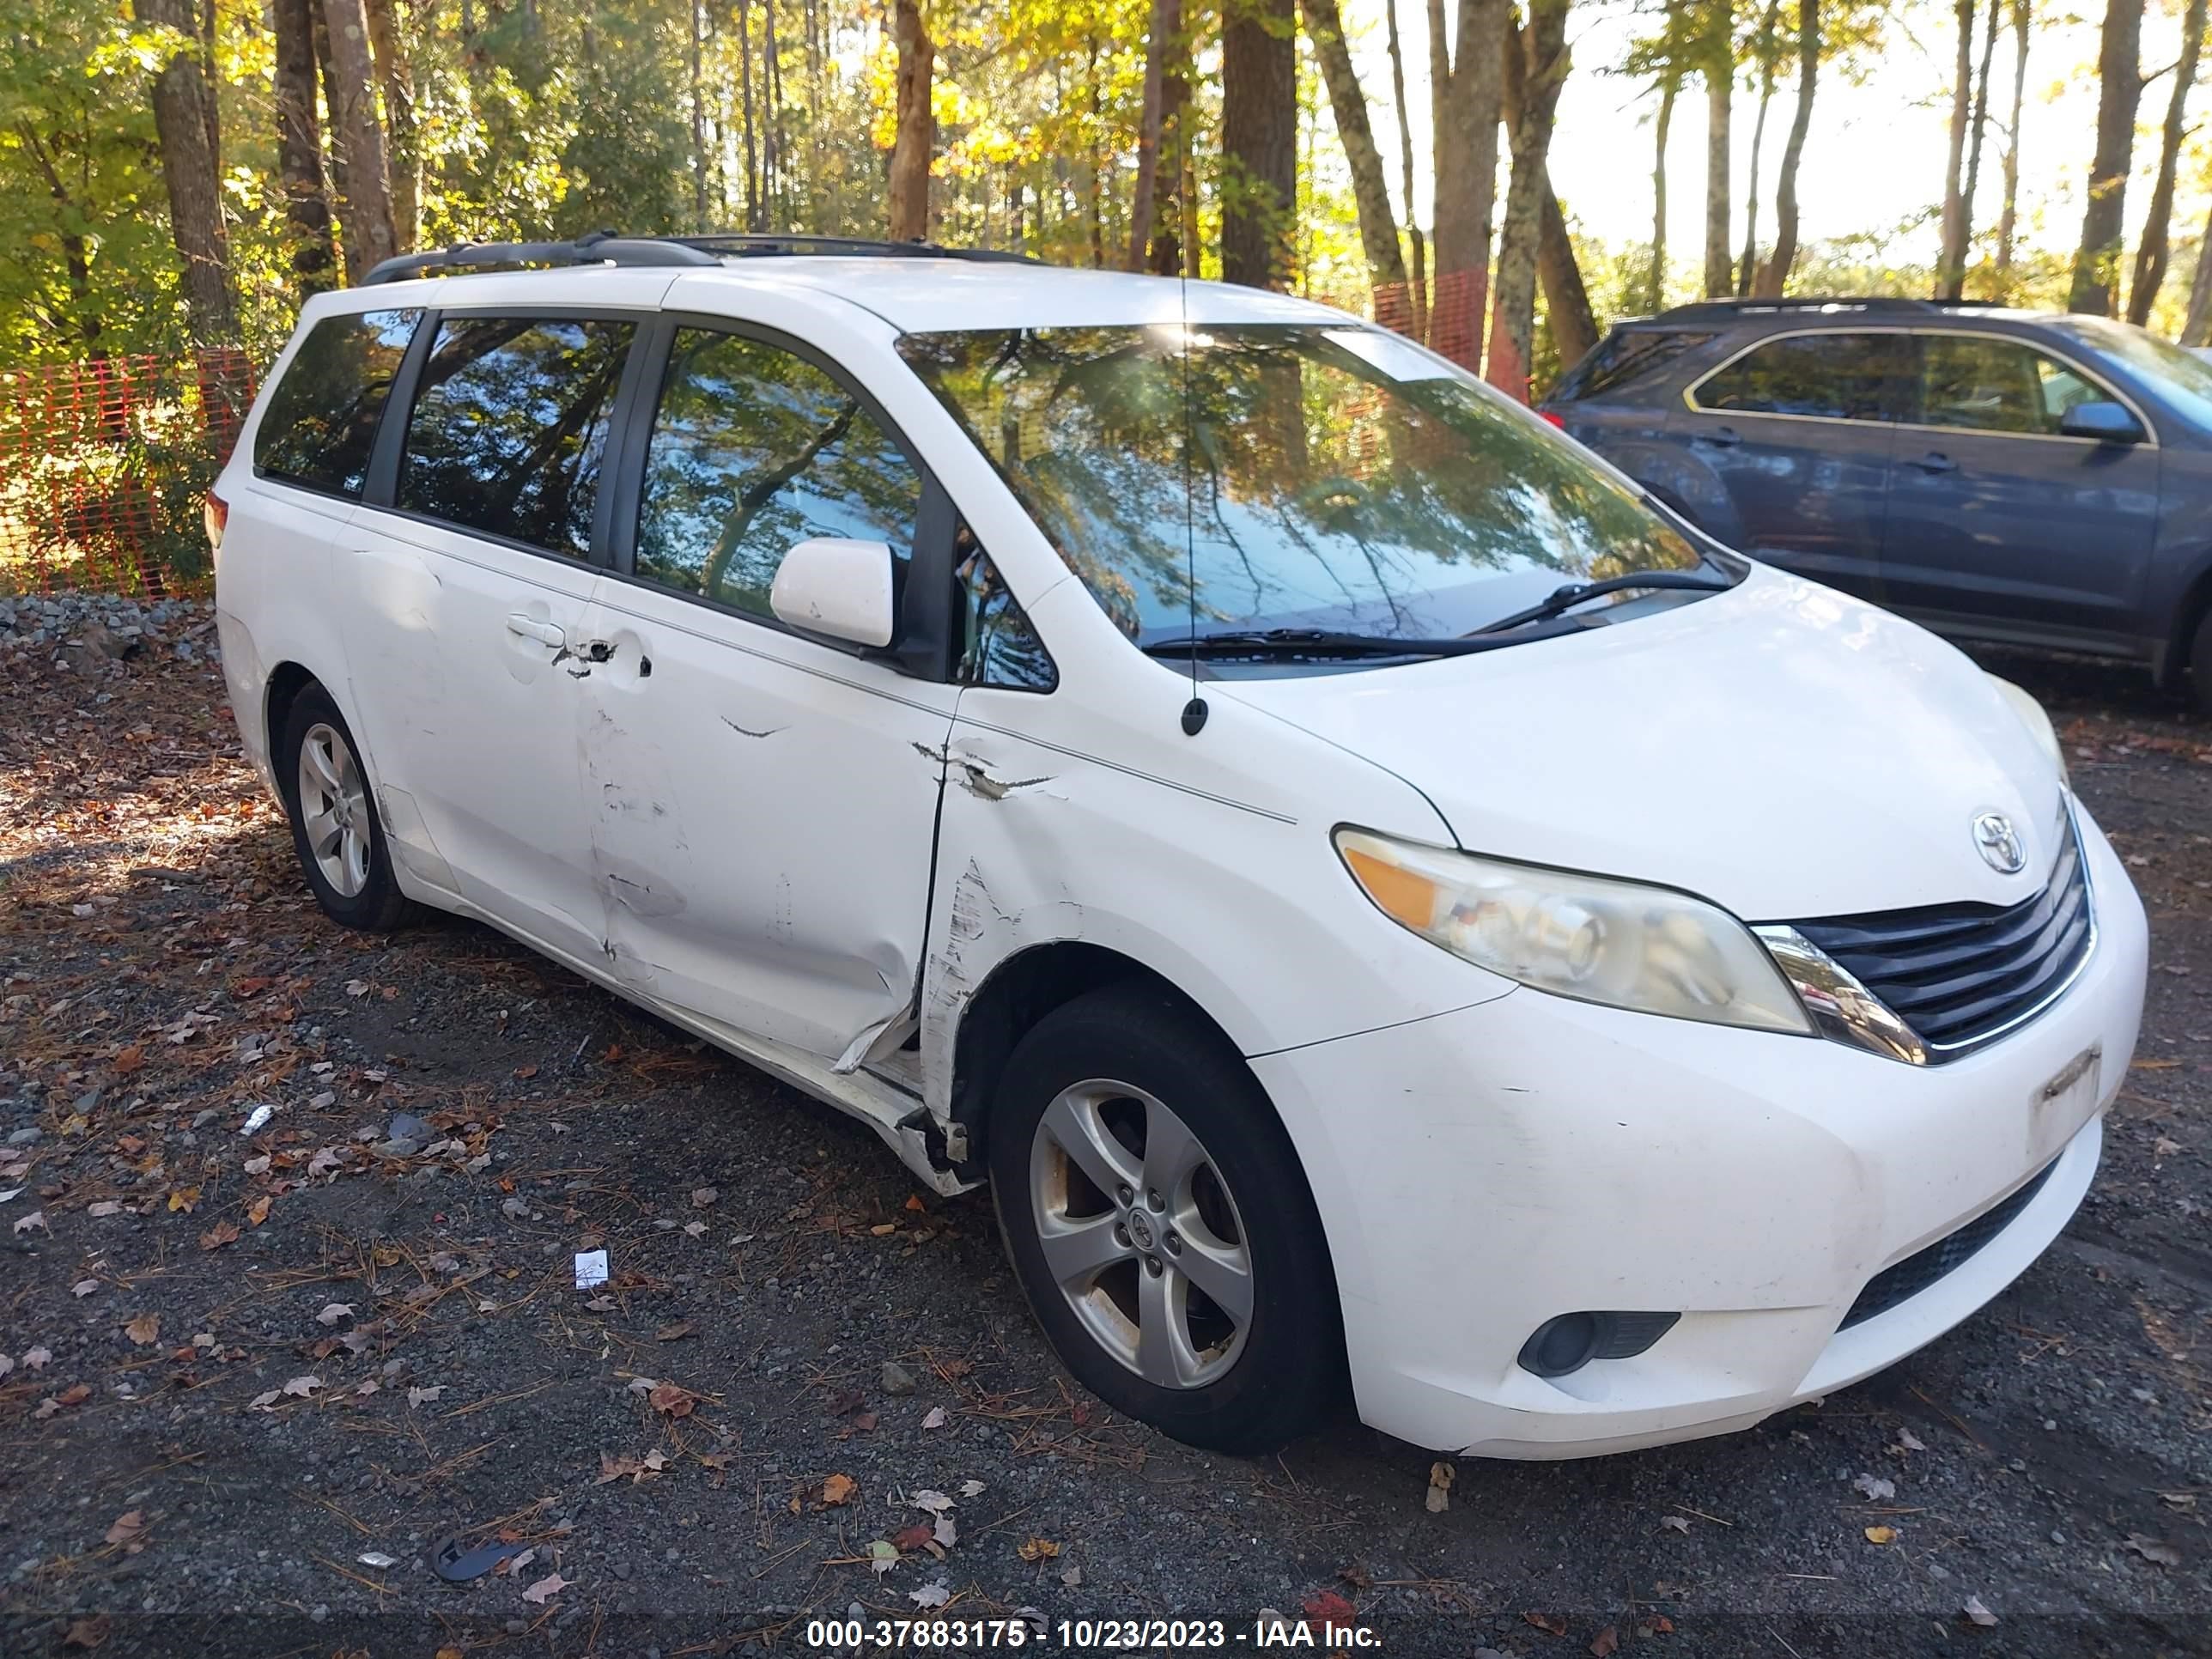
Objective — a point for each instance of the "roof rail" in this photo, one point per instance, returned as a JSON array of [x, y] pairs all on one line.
[[1746, 308], [599, 247], [606, 247]]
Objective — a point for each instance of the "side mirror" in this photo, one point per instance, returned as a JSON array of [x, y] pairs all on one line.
[[836, 587], [2107, 423]]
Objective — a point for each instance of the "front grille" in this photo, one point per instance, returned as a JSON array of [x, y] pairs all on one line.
[[1960, 974], [1906, 1280]]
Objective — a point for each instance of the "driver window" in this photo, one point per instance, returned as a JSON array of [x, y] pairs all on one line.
[[755, 448], [1980, 383]]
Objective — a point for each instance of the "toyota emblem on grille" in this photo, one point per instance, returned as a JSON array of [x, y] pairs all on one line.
[[1999, 844]]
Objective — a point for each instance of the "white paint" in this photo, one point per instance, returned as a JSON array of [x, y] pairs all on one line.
[[803, 856]]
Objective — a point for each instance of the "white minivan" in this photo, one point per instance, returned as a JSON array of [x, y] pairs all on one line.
[[1378, 899]]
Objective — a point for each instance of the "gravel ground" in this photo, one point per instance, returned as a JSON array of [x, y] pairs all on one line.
[[250, 1383]]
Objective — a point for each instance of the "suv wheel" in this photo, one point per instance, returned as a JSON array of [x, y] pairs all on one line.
[[1161, 1225], [2200, 667], [335, 829]]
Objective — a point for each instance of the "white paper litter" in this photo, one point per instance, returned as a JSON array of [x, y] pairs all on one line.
[[591, 1269], [256, 1118]]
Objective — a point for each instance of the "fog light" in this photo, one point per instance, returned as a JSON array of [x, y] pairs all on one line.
[[1567, 1342]]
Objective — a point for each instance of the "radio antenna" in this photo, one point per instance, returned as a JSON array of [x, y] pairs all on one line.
[[1193, 712]]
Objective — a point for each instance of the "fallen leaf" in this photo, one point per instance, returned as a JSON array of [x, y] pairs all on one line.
[[616, 1469], [301, 1386], [935, 1420], [545, 1590], [86, 1632], [37, 1358], [1980, 1614], [672, 1401], [449, 1653], [1875, 1487], [130, 1060], [334, 1312], [838, 1489], [883, 1555], [36, 1218], [127, 1527], [425, 1396], [1605, 1642], [525, 1073], [1037, 1549], [1440, 1482], [182, 1199], [946, 1532], [84, 1288], [1910, 1441], [935, 1501], [2151, 1550], [257, 1212], [913, 1537], [105, 1207], [971, 1488], [145, 1330], [676, 1332], [656, 1460], [695, 1229], [1881, 1534], [1330, 1607], [1674, 1522], [704, 1196], [222, 1233], [1545, 1622]]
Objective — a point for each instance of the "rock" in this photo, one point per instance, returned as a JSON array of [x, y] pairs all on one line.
[[405, 1126], [33, 1137], [896, 1379], [399, 1146]]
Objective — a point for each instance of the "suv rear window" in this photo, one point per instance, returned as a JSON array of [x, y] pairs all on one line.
[[1623, 356], [321, 419]]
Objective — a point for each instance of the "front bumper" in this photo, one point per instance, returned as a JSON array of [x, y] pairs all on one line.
[[1480, 1171]]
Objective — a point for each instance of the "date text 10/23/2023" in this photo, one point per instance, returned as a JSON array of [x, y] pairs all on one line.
[[1029, 1628]]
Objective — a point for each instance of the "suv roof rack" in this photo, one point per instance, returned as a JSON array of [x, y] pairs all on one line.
[[606, 247], [1715, 309]]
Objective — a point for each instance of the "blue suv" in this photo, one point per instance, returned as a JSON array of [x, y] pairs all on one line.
[[2033, 479]]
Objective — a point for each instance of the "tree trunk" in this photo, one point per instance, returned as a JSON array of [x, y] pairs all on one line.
[[698, 115], [1370, 191], [756, 210], [1467, 97], [365, 207], [2197, 326], [916, 142], [191, 166], [299, 146], [1747, 271], [319, 22], [1420, 274], [1535, 61], [1720, 97], [1951, 261], [1975, 130], [1558, 273], [1259, 141], [395, 72], [1155, 210], [2151, 255], [1774, 275], [2119, 76], [1657, 298], [2008, 217]]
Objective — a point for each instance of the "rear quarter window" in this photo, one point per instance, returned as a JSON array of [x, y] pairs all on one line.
[[1623, 357], [321, 419]]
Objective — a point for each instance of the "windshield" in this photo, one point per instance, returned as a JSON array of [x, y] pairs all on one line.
[[1286, 477], [2182, 377]]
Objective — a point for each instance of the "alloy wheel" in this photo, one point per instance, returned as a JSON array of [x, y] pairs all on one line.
[[334, 809]]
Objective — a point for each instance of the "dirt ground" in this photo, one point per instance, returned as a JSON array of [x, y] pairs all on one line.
[[251, 1383]]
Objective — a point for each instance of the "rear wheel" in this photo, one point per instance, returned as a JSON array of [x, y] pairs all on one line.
[[1161, 1224], [336, 832]]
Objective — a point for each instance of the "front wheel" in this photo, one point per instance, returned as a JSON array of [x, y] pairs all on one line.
[[2200, 667], [1161, 1225]]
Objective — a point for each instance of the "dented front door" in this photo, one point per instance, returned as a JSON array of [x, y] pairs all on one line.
[[761, 811]]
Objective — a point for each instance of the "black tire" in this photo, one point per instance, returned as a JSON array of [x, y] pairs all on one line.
[[379, 906], [1288, 1372], [2200, 667]]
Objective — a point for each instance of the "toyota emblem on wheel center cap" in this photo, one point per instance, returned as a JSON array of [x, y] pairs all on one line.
[[1999, 844]]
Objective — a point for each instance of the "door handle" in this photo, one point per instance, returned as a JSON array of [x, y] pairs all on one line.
[[530, 628], [1935, 461], [1722, 437]]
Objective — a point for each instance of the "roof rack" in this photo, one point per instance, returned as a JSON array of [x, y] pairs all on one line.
[[1720, 308], [606, 247]]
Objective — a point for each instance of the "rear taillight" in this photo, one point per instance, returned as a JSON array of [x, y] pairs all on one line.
[[1553, 417], [215, 513]]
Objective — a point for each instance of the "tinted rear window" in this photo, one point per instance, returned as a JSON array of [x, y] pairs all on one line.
[[321, 421], [509, 427], [1837, 377], [1625, 355]]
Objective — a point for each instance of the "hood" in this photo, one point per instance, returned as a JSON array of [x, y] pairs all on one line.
[[1782, 749]]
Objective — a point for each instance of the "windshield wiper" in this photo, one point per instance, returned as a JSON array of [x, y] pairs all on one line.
[[1566, 598], [1322, 642]]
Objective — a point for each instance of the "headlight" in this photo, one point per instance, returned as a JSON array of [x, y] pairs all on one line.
[[1610, 942], [2038, 723]]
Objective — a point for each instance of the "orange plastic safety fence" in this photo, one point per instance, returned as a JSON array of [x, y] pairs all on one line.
[[103, 465], [1445, 314]]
